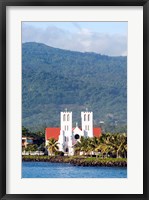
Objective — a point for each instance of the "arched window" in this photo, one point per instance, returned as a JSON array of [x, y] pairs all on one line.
[[64, 117], [68, 117], [85, 117], [67, 128], [88, 117]]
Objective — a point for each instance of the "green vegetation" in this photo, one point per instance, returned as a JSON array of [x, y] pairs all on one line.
[[38, 140], [37, 135], [108, 145], [108, 150], [78, 160], [52, 146], [54, 79], [31, 148]]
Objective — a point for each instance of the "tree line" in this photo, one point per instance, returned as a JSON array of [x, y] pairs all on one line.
[[108, 145], [112, 145]]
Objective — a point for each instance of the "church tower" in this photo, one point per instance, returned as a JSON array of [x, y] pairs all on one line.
[[65, 138], [87, 123], [66, 121]]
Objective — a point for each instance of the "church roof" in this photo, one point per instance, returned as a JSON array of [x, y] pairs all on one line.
[[97, 132], [54, 132]]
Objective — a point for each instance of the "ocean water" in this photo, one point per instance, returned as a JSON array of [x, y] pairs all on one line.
[[65, 170]]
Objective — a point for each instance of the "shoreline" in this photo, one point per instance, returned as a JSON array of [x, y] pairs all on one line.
[[78, 160]]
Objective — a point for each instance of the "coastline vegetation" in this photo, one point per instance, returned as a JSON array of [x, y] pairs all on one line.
[[108, 150], [78, 160], [108, 145]]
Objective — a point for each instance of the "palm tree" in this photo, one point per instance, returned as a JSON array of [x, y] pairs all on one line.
[[52, 146], [117, 143], [89, 146], [93, 144], [107, 144], [83, 146], [78, 147], [122, 150], [101, 144], [104, 147]]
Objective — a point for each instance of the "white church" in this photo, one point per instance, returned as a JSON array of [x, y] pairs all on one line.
[[67, 135]]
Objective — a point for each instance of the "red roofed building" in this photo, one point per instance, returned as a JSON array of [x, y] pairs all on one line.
[[97, 132], [68, 136], [54, 132]]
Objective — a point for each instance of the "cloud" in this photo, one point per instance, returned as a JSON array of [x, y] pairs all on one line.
[[83, 39]]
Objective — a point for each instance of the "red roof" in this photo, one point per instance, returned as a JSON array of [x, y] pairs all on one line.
[[55, 132], [97, 132], [52, 133]]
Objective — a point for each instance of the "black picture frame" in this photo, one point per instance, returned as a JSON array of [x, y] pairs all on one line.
[[3, 117]]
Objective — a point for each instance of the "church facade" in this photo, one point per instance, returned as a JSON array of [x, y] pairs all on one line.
[[67, 135]]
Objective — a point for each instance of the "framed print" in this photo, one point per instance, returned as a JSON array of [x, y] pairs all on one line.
[[74, 114]]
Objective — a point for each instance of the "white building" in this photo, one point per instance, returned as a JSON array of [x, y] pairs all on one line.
[[68, 136]]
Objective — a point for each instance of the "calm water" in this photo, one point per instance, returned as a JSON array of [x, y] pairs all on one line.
[[64, 170]]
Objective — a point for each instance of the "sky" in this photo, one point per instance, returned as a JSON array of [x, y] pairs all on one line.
[[106, 38]]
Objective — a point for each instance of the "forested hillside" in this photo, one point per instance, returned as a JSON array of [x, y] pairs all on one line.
[[54, 79]]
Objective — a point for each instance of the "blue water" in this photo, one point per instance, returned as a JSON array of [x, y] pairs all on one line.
[[64, 170]]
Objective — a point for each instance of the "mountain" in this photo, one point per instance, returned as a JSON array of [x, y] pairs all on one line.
[[54, 79]]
